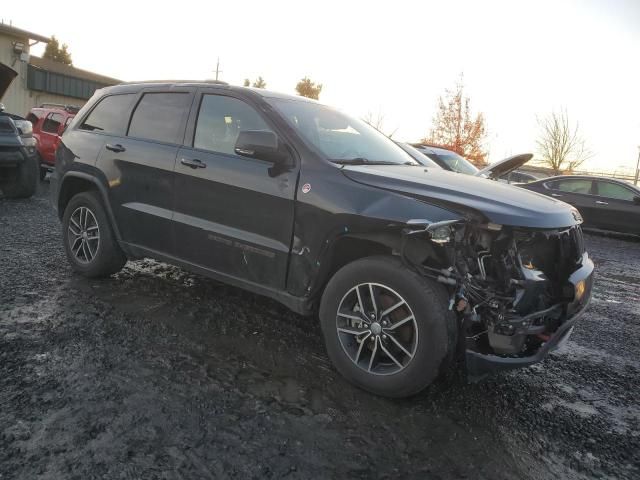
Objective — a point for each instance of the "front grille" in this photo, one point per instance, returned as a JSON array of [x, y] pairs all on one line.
[[6, 125], [572, 244], [8, 149], [556, 253], [578, 240]]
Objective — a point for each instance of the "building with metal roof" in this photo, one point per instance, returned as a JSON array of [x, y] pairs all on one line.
[[41, 80]]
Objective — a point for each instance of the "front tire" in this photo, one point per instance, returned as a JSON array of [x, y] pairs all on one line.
[[90, 244], [394, 346]]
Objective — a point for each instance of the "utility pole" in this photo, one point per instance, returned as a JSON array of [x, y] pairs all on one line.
[[635, 181], [218, 68]]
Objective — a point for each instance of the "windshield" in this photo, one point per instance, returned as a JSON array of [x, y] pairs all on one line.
[[417, 155], [456, 163], [342, 139]]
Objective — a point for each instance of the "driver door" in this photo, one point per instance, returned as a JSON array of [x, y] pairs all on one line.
[[615, 208], [231, 215]]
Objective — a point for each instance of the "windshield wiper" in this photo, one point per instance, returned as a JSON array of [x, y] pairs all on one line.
[[365, 161]]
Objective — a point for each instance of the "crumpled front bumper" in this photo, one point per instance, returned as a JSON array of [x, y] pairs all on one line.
[[479, 365]]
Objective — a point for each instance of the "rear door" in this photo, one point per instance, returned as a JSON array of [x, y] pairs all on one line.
[[233, 214], [577, 192], [49, 136], [614, 207], [139, 166]]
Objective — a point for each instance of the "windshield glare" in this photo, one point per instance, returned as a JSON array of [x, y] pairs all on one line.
[[339, 136]]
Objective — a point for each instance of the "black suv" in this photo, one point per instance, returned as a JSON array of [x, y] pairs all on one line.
[[18, 155], [410, 269]]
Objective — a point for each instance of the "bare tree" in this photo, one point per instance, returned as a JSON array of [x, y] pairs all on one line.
[[560, 144], [377, 121]]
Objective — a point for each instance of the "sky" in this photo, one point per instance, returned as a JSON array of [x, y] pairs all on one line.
[[520, 60]]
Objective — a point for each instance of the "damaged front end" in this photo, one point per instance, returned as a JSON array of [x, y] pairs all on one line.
[[516, 292]]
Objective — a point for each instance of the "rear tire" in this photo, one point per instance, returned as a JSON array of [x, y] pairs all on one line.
[[89, 241], [363, 351], [23, 181]]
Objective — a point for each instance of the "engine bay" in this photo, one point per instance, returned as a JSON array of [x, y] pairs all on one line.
[[509, 287]]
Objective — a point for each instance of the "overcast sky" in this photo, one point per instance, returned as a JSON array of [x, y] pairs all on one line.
[[520, 60]]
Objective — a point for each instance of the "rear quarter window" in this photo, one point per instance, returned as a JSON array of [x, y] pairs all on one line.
[[110, 115], [615, 191]]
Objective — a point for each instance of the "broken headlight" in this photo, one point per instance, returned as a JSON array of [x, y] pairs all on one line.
[[441, 234]]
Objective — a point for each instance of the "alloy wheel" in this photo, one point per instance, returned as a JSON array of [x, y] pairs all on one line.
[[84, 235], [377, 329]]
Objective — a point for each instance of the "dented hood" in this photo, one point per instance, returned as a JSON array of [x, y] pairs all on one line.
[[498, 169], [7, 74], [497, 202]]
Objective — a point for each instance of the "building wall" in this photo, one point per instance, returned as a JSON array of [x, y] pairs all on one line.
[[19, 99]]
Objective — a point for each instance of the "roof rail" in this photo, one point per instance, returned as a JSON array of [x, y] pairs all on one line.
[[138, 82], [67, 108]]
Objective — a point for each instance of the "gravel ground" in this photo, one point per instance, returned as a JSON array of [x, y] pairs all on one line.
[[158, 373]]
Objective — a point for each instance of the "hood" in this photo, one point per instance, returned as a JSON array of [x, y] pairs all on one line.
[[498, 169], [497, 202], [7, 74]]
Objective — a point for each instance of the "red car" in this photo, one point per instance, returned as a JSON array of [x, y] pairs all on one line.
[[49, 121]]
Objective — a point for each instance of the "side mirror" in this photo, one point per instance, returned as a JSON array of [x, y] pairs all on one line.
[[260, 144], [636, 199]]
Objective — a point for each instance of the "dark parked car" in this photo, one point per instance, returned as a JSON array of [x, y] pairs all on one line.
[[604, 203], [453, 162], [410, 270], [18, 157]]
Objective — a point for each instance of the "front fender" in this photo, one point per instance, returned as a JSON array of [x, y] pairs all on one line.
[[378, 223]]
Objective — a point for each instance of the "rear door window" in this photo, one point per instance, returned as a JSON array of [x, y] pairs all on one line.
[[52, 123], [615, 191], [161, 117], [110, 115], [577, 185]]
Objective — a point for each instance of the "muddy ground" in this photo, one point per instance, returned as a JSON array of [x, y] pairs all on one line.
[[158, 373]]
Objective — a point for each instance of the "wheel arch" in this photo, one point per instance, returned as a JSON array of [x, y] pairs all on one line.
[[77, 182], [346, 249]]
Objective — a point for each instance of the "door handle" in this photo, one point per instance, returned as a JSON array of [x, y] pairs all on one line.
[[193, 163], [115, 148], [556, 195], [598, 202]]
